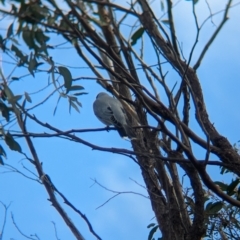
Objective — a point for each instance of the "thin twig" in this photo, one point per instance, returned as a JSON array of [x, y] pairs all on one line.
[[117, 193], [55, 230], [4, 219], [16, 226], [210, 41]]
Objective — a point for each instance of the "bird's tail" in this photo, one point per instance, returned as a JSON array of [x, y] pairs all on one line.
[[127, 131]]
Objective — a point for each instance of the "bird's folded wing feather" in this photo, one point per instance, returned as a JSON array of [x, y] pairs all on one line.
[[112, 117]]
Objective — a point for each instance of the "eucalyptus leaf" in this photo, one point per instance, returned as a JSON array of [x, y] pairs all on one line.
[[67, 77], [10, 30], [151, 233], [1, 161], [151, 225], [231, 187], [13, 145], [215, 207], [27, 97], [2, 152], [75, 88], [138, 34], [5, 111]]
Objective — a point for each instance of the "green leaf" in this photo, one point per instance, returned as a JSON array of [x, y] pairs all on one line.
[[10, 31], [55, 109], [215, 207], [5, 111], [2, 152], [138, 34], [19, 54], [28, 37], [75, 88], [162, 6], [8, 93], [15, 78], [208, 206], [67, 77], [40, 37], [222, 185], [224, 170], [13, 145], [17, 51], [151, 225], [72, 104], [74, 99], [231, 187], [15, 99], [78, 94], [2, 43], [32, 64], [165, 21], [151, 233], [27, 97], [1, 161]]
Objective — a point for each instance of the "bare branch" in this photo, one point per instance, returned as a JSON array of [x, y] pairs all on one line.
[[210, 41], [117, 193], [4, 219], [16, 226]]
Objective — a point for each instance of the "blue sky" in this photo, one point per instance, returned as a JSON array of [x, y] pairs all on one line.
[[72, 166]]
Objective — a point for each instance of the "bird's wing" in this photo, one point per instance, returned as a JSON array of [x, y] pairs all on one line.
[[112, 116], [105, 113]]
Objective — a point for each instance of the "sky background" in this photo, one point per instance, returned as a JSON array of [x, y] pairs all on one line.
[[72, 166]]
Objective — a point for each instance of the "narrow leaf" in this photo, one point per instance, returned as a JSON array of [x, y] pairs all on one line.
[[32, 64], [27, 97], [151, 233], [67, 77], [74, 99], [138, 34], [55, 109], [162, 6], [1, 161], [208, 206], [166, 21], [5, 111], [8, 93], [75, 88], [151, 225], [215, 207], [17, 51], [28, 37], [2, 152], [231, 187], [222, 185], [81, 93], [13, 145], [72, 104], [78, 103], [10, 31], [16, 98]]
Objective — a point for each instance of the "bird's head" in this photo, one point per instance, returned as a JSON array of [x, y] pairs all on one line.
[[101, 94]]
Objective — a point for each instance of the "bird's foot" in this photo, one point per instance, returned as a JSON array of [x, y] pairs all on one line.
[[107, 128]]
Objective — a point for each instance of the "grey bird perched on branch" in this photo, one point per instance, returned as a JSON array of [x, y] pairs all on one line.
[[111, 112]]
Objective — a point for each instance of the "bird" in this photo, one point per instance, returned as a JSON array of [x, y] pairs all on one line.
[[111, 112]]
